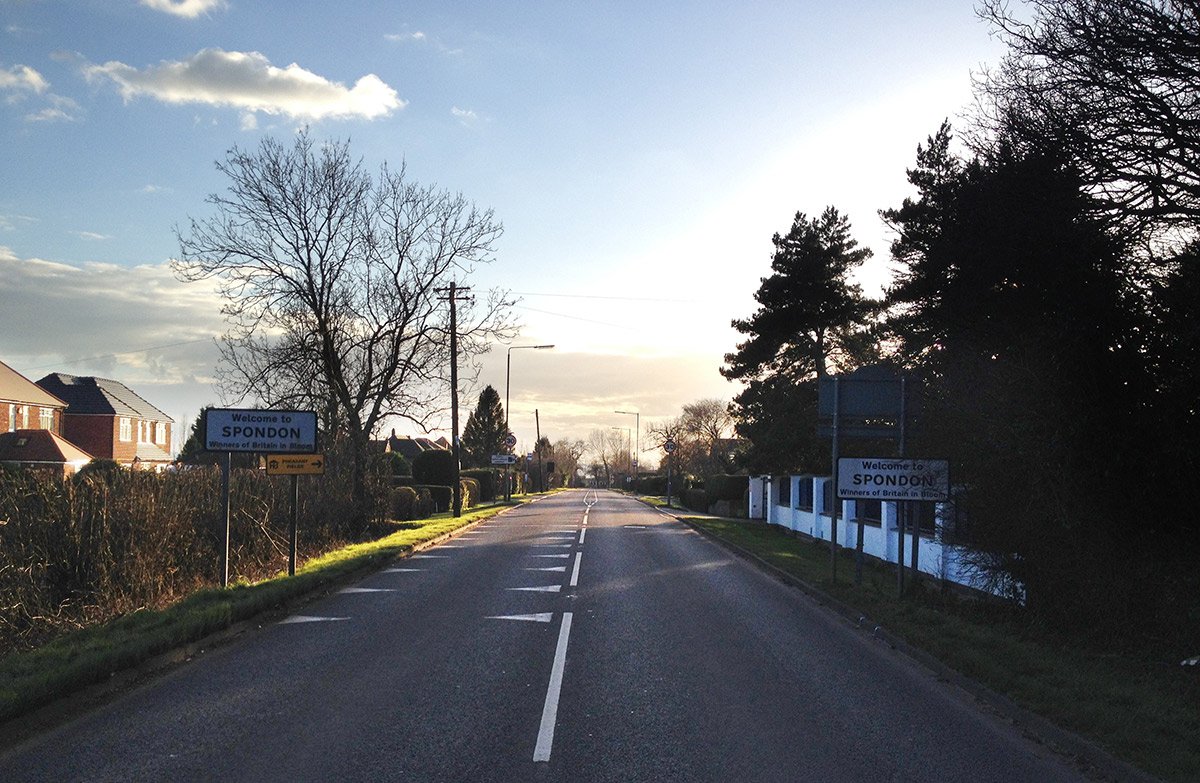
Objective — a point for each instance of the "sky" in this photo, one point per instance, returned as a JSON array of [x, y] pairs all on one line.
[[640, 156]]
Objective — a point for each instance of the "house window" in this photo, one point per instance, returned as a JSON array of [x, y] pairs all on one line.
[[46, 415], [160, 433], [12, 418], [919, 513], [126, 430], [827, 497], [24, 417]]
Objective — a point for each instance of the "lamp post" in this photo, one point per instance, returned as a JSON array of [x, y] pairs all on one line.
[[507, 376], [637, 441]]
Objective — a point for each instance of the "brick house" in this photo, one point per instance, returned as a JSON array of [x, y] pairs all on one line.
[[24, 405], [31, 421], [109, 420]]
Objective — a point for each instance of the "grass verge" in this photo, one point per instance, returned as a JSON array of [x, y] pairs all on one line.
[[31, 679], [1136, 705]]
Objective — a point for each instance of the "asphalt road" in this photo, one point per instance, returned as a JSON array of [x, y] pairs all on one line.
[[582, 637]]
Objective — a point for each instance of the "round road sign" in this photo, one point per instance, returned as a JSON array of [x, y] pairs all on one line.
[[511, 440], [669, 446]]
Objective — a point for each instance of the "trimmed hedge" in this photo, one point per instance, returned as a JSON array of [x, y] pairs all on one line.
[[469, 488], [442, 495], [488, 482], [434, 467], [406, 504], [695, 499], [726, 487]]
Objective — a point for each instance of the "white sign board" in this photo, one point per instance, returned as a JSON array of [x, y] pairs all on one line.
[[873, 478], [267, 431], [504, 459]]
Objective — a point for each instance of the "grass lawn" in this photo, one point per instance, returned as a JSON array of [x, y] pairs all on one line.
[[31, 679], [1139, 706]]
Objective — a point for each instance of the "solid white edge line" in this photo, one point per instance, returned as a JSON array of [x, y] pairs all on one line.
[[545, 738], [575, 572]]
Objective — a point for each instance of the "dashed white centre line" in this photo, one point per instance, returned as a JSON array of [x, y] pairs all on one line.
[[582, 533], [575, 571], [545, 738]]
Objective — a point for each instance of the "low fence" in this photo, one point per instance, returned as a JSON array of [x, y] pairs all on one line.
[[804, 504]]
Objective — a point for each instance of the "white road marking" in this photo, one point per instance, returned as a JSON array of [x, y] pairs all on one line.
[[559, 557], [559, 569], [304, 618], [575, 571], [349, 590], [541, 617], [403, 570], [634, 527], [558, 546], [544, 589], [582, 533], [429, 557], [450, 546], [545, 738]]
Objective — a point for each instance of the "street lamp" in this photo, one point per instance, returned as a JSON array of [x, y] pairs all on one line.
[[637, 441], [507, 375]]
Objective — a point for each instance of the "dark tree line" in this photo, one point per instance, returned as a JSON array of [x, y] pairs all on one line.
[[1045, 294]]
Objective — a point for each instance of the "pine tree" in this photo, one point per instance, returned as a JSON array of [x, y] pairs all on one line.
[[485, 431]]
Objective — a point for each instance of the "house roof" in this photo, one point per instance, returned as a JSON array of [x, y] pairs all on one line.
[[15, 387], [90, 395], [39, 446], [411, 447]]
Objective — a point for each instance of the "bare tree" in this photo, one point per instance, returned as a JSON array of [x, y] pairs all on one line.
[[330, 280], [1113, 83]]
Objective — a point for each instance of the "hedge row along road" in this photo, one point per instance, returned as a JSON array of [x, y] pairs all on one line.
[[582, 637]]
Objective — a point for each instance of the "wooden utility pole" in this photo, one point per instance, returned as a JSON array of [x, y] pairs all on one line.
[[452, 297]]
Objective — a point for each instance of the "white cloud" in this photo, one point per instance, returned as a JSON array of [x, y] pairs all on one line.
[[22, 78], [49, 114], [10, 222], [249, 121], [138, 324], [467, 117], [405, 37], [189, 9], [91, 235], [248, 81], [154, 189]]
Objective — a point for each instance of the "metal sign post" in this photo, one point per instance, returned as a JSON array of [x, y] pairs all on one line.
[[295, 466], [276, 432]]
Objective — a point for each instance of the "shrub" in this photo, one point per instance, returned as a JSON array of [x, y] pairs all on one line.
[[425, 506], [488, 482], [726, 487], [695, 499], [402, 503], [469, 488], [434, 467], [439, 494], [651, 485], [397, 464]]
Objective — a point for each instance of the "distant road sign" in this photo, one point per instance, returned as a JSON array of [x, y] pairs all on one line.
[[504, 459], [296, 465], [267, 431], [873, 478], [511, 440], [669, 446]]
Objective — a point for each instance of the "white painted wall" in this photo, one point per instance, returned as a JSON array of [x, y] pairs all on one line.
[[881, 541]]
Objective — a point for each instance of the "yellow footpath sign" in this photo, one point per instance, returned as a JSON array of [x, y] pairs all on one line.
[[295, 464]]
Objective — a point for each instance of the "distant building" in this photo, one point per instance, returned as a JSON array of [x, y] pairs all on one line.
[[409, 448], [109, 420]]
